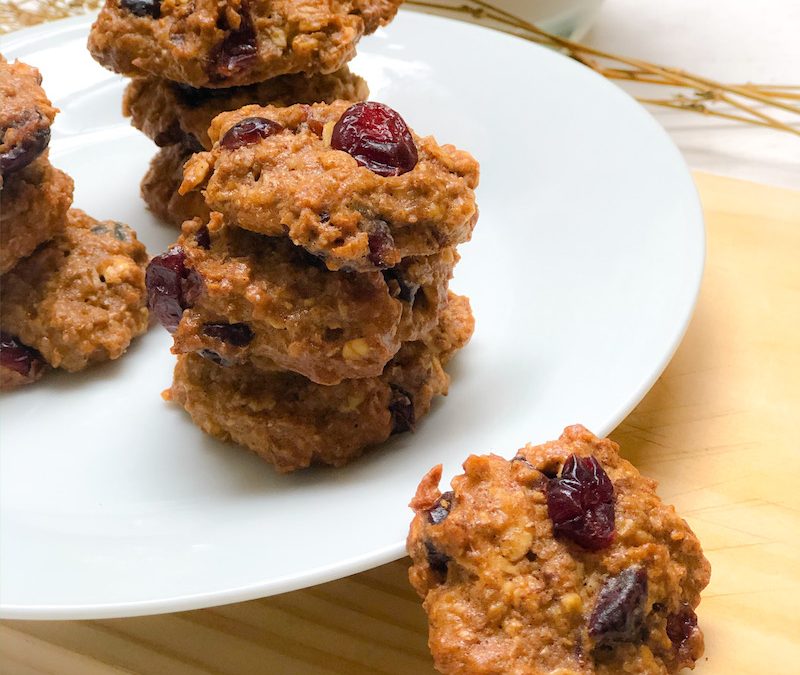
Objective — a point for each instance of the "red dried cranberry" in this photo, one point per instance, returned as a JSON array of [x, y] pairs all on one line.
[[237, 50], [407, 289], [19, 357], [249, 130], [381, 244], [151, 8], [580, 503], [681, 625], [171, 287], [377, 138], [401, 408], [236, 334], [436, 559], [618, 614], [441, 508], [33, 142]]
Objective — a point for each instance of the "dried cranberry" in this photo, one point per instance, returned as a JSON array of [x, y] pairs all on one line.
[[401, 408], [377, 138], [34, 141], [618, 614], [203, 237], [19, 357], [151, 8], [580, 503], [407, 289], [171, 287], [237, 50], [681, 625], [381, 244], [249, 130], [236, 334], [436, 559], [441, 508]]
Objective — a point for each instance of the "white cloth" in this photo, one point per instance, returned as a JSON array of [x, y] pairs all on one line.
[[729, 41]]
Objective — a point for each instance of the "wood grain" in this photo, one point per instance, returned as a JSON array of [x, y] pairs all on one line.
[[717, 430]]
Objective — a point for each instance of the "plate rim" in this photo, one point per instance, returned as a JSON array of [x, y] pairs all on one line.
[[23, 38]]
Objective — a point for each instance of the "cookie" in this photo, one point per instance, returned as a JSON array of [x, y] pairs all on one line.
[[264, 302], [350, 183], [293, 423], [227, 43], [168, 112], [80, 298], [35, 201], [562, 560], [160, 187], [25, 116]]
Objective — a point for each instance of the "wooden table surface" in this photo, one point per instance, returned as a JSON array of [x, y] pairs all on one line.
[[718, 431]]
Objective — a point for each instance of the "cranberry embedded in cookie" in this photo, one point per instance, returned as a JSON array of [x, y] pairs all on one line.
[[376, 137], [352, 184], [509, 588], [172, 287], [580, 502], [248, 131], [19, 364]]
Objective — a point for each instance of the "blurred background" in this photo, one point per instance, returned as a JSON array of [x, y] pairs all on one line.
[[731, 41]]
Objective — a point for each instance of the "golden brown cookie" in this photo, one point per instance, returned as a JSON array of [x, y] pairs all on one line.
[[293, 423], [227, 43], [25, 116], [160, 187], [562, 560], [80, 298], [264, 302], [34, 208], [168, 112], [348, 182]]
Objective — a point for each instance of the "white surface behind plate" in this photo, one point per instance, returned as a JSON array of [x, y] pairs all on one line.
[[583, 272]]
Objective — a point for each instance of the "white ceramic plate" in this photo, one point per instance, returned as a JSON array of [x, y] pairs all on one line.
[[583, 273]]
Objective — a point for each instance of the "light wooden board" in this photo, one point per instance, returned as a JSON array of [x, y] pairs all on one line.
[[718, 430]]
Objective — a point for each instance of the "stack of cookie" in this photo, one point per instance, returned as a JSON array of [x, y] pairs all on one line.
[[191, 61], [72, 288], [308, 293], [311, 311]]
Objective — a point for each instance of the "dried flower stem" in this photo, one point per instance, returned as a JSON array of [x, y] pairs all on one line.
[[741, 98]]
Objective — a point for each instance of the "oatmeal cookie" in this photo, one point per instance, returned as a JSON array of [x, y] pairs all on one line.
[[265, 302], [293, 423], [35, 201], [160, 187], [227, 43], [562, 560], [25, 116], [80, 298], [168, 112], [384, 195], [19, 364]]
